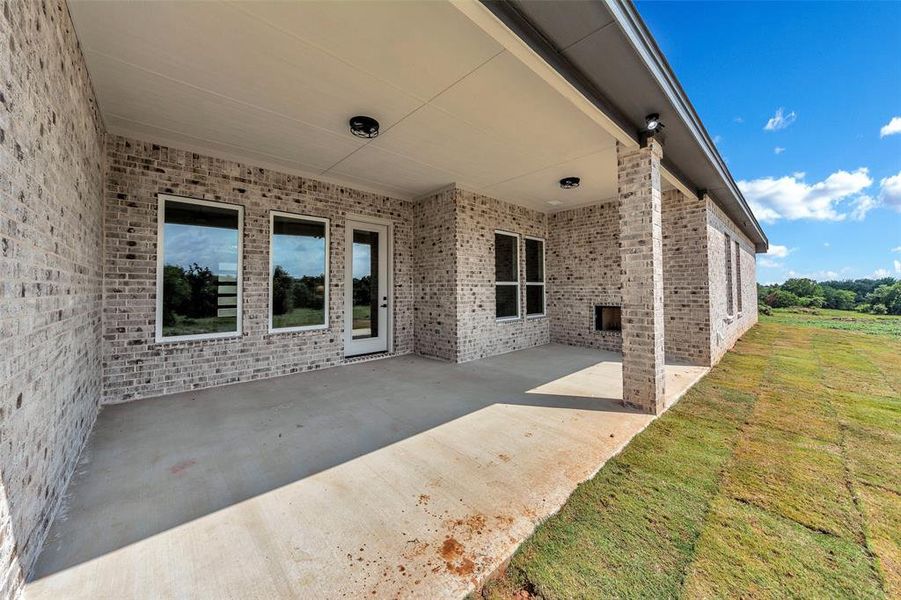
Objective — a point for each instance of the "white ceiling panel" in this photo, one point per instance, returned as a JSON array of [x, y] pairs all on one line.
[[433, 137], [538, 189], [419, 47], [507, 100], [152, 100], [222, 50], [274, 84]]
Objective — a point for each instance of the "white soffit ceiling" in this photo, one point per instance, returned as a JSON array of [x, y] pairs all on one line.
[[274, 84]]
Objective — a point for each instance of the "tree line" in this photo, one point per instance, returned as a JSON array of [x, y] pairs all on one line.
[[876, 296]]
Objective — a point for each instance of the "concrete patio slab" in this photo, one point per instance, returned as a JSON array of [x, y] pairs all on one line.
[[397, 478]]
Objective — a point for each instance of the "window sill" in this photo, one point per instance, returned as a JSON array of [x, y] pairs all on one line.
[[531, 317], [231, 335], [305, 328], [507, 319]]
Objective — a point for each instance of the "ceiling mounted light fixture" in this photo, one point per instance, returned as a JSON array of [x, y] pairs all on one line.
[[364, 127], [653, 122], [568, 183]]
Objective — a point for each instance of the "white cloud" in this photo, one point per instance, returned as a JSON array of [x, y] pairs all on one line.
[[897, 266], [862, 205], [780, 120], [896, 249], [826, 244], [816, 275], [778, 150], [790, 197], [891, 128], [880, 273], [778, 251], [768, 263], [717, 139], [738, 119], [890, 191]]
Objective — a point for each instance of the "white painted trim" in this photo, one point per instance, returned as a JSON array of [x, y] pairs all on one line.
[[299, 217], [518, 316], [676, 182], [388, 225], [158, 317], [542, 283]]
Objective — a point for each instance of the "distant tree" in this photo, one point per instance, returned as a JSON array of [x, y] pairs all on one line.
[[888, 297], [362, 295], [839, 299], [176, 293], [204, 292], [878, 309], [781, 299], [282, 297], [802, 287]]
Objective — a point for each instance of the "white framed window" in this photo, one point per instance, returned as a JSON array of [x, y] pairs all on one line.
[[198, 285], [298, 272], [535, 294], [506, 276], [727, 258]]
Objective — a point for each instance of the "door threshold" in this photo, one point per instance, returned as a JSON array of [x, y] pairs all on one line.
[[358, 358]]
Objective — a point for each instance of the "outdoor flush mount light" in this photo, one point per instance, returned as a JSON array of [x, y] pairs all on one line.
[[364, 127], [653, 122], [568, 183]]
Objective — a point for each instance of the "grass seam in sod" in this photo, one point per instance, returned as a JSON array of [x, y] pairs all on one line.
[[726, 467], [849, 481]]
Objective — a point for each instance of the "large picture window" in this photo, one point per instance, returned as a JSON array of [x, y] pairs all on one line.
[[535, 277], [506, 275], [198, 269], [298, 272]]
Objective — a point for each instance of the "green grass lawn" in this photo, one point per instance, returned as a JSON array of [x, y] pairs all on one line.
[[299, 317], [777, 476], [189, 326], [845, 320]]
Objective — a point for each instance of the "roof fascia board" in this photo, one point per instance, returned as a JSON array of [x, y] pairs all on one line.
[[643, 43], [544, 65]]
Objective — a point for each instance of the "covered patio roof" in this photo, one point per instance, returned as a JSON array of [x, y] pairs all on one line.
[[274, 84], [403, 477]]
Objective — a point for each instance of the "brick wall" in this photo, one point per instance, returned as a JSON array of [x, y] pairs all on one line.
[[686, 292], [51, 180], [726, 329], [583, 269], [134, 365], [641, 252], [479, 334], [435, 273]]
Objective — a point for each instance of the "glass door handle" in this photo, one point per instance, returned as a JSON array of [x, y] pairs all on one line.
[[385, 305]]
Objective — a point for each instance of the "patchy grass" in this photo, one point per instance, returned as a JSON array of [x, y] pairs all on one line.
[[299, 317], [776, 476], [843, 320]]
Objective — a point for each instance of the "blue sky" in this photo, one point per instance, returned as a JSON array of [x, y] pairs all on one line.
[[800, 99]]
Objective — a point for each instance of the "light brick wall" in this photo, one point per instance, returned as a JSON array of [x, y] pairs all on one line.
[[435, 273], [725, 329], [686, 290], [479, 334], [641, 252], [51, 181], [583, 269], [134, 365]]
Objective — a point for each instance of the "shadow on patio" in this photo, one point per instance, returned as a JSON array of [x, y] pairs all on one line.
[[400, 476]]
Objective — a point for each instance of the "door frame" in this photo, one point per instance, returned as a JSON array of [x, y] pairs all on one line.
[[347, 323]]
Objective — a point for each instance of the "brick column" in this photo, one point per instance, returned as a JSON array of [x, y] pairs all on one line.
[[641, 251]]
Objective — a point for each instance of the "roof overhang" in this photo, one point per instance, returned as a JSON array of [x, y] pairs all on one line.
[[604, 51]]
